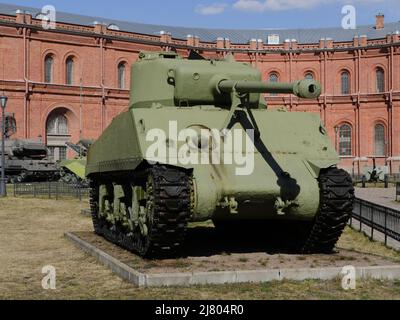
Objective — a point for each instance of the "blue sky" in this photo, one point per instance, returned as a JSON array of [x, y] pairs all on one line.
[[228, 13]]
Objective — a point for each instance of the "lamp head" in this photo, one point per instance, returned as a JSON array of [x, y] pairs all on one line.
[[3, 102]]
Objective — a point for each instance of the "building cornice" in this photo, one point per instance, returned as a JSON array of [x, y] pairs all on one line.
[[162, 41]]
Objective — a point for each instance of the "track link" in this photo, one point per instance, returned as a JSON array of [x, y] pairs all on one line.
[[336, 207], [168, 226]]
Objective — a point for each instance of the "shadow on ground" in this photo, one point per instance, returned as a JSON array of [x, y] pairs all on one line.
[[258, 237]]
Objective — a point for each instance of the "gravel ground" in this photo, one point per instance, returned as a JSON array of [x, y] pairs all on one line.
[[227, 259], [381, 196]]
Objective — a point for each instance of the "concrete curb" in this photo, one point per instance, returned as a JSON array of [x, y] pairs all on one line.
[[121, 269], [227, 277]]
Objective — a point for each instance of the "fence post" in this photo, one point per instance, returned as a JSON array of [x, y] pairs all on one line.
[[360, 215], [386, 235], [80, 193], [34, 190], [386, 181], [364, 181], [372, 223], [15, 190], [57, 191], [49, 189]]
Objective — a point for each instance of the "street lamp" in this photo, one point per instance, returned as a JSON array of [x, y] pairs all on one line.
[[3, 186]]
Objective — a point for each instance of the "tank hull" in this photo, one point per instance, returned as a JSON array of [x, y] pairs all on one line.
[[275, 179]]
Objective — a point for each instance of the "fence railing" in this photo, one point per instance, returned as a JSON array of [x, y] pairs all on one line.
[[389, 180], [51, 190], [378, 218]]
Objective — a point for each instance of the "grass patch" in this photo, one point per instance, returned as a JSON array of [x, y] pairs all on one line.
[[31, 236], [356, 241]]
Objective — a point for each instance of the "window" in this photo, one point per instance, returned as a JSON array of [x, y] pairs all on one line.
[[70, 71], [345, 140], [62, 153], [57, 125], [345, 82], [380, 143], [48, 69], [273, 77], [121, 75], [51, 152], [309, 76], [380, 80]]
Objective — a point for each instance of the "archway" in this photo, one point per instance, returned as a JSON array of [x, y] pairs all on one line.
[[59, 125]]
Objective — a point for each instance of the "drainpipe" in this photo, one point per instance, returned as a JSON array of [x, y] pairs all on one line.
[[391, 120], [26, 80], [103, 88], [358, 110], [325, 86], [290, 77]]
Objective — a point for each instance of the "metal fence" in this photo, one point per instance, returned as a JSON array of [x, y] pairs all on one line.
[[51, 190], [378, 218], [389, 180]]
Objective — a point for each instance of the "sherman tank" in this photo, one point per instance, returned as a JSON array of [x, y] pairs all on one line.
[[199, 143]]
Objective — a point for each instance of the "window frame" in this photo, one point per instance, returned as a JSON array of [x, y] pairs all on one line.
[[309, 73], [383, 142], [56, 124], [122, 77], [345, 86], [271, 74], [380, 80], [69, 70], [49, 69], [349, 135]]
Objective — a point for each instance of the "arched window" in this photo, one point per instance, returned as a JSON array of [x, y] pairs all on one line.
[[122, 75], [309, 76], [345, 140], [345, 82], [380, 143], [69, 71], [48, 68], [57, 125], [380, 80], [273, 77]]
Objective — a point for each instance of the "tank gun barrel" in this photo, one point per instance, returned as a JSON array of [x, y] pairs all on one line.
[[307, 89]]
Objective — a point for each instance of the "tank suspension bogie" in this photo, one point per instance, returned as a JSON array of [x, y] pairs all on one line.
[[149, 218]]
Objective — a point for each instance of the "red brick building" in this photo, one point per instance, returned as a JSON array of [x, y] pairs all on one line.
[[69, 83]]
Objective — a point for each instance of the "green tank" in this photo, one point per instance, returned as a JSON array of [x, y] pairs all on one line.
[[199, 143], [73, 171]]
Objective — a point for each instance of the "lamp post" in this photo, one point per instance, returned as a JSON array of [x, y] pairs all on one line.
[[3, 186], [336, 139]]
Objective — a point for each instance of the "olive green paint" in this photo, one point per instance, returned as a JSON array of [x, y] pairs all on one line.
[[292, 149]]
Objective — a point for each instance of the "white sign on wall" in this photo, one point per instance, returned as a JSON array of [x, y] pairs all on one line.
[[273, 39]]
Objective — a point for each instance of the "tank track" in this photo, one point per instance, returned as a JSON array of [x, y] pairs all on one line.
[[172, 210], [336, 207]]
